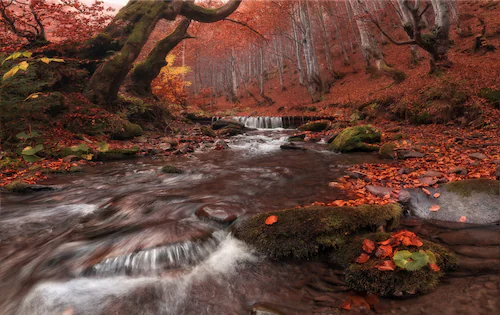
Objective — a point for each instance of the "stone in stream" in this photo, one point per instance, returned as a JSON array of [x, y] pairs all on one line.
[[357, 138], [301, 233], [291, 146], [20, 186], [117, 154], [169, 169], [207, 131], [224, 123], [478, 200], [315, 126], [219, 213]]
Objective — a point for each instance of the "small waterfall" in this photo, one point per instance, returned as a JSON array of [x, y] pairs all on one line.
[[260, 122], [157, 259]]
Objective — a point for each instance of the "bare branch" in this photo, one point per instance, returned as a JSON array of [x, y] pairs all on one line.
[[247, 26]]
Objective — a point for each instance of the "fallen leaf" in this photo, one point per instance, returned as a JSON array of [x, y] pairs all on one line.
[[434, 208], [434, 267], [271, 219], [368, 246], [463, 219], [436, 195], [383, 251], [362, 258], [426, 191], [386, 265], [346, 305]]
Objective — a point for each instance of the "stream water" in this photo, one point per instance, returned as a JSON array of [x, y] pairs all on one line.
[[124, 238]]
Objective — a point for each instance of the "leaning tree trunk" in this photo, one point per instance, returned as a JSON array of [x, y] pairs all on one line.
[[440, 39], [146, 71], [127, 34]]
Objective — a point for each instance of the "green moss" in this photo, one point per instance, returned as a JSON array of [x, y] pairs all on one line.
[[207, 131], [129, 131], [117, 154], [468, 187], [301, 233], [357, 138], [493, 96], [230, 131], [292, 139], [366, 278], [315, 126], [169, 169], [17, 186]]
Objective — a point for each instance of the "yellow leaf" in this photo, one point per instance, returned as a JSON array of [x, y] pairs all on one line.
[[23, 65], [10, 73], [57, 60], [45, 60], [27, 54]]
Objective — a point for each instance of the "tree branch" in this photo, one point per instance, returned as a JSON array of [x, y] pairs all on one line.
[[247, 26], [201, 14]]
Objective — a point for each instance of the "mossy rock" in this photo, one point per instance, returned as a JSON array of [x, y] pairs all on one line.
[[17, 186], [207, 131], [301, 233], [386, 151], [366, 278], [493, 97], [230, 131], [222, 123], [117, 154], [315, 126], [357, 138], [169, 169], [466, 188], [129, 131], [296, 139]]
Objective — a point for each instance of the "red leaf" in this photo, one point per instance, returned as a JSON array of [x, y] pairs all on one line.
[[463, 219], [434, 208], [271, 219], [427, 192], [383, 251], [368, 246], [434, 267], [386, 265], [346, 305], [436, 195], [362, 258]]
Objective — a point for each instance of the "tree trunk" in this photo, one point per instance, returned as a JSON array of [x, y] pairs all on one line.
[[146, 71], [298, 53], [127, 34]]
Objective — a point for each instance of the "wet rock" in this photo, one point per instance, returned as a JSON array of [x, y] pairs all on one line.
[[433, 174], [207, 131], [231, 131], [479, 264], [299, 137], [165, 146], [22, 187], [225, 123], [477, 156], [169, 169], [404, 196], [459, 170], [387, 151], [117, 154], [129, 131], [478, 251], [71, 158], [221, 144], [291, 146], [476, 199], [379, 191], [406, 170], [410, 154], [184, 148], [315, 126], [325, 300], [217, 213], [428, 180], [265, 310], [357, 138]]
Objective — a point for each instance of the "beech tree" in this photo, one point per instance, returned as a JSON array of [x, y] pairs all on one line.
[[127, 34]]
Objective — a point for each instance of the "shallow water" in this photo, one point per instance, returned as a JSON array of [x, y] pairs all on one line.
[[124, 238]]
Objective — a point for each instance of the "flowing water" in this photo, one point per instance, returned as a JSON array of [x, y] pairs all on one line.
[[124, 238]]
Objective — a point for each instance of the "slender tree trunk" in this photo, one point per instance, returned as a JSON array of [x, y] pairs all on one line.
[[298, 53]]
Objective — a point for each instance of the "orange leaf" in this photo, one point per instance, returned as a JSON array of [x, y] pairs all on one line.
[[426, 191], [346, 305], [383, 251], [386, 265], [362, 258], [463, 219], [436, 195], [416, 241], [434, 208], [368, 246], [434, 267], [271, 219], [386, 242]]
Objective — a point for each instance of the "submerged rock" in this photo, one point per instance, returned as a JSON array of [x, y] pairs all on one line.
[[169, 169], [315, 126], [301, 233], [22, 187], [223, 123], [357, 138], [207, 131], [117, 154]]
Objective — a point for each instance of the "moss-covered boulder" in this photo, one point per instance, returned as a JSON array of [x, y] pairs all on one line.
[[222, 123], [230, 131], [357, 138], [129, 131], [20, 186], [207, 131], [386, 151], [366, 277], [169, 169], [468, 187], [303, 232], [315, 126], [117, 154]]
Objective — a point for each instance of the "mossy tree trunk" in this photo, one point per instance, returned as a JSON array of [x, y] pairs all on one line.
[[127, 34], [146, 71]]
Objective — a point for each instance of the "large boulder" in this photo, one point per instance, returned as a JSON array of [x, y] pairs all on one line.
[[129, 131], [301, 233], [223, 123], [478, 200], [117, 154], [357, 138], [315, 126]]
